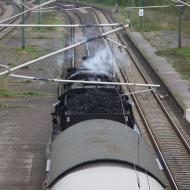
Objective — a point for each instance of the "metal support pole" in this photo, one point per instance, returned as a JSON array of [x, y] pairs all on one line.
[[180, 10], [23, 28], [116, 6], [77, 3], [129, 13], [128, 10], [179, 34], [39, 14], [62, 50]]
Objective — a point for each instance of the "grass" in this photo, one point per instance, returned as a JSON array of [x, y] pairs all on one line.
[[11, 65], [48, 19], [155, 19], [180, 59], [165, 19], [26, 50], [6, 106], [18, 94], [19, 81], [29, 52], [6, 80], [41, 37]]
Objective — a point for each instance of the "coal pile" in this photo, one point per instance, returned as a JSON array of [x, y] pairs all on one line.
[[95, 101]]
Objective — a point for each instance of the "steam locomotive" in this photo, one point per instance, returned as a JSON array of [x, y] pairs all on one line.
[[94, 144]]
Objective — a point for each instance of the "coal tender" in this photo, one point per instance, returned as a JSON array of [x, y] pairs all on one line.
[[94, 145]]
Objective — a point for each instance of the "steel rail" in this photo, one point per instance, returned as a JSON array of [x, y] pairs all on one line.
[[84, 32], [72, 34], [145, 121], [135, 61], [173, 124], [60, 85], [13, 20], [58, 25], [1, 10], [18, 2], [81, 25], [62, 50], [150, 132], [156, 95], [27, 11], [10, 22]]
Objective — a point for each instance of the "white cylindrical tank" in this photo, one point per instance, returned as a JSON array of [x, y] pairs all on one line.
[[107, 177], [102, 154]]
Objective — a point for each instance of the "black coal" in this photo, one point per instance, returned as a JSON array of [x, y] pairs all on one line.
[[95, 101]]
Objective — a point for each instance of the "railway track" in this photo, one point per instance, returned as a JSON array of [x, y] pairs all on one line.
[[162, 130], [169, 139], [69, 58], [70, 40], [71, 37], [1, 10], [5, 31]]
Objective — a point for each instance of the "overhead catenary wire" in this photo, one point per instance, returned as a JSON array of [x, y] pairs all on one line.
[[59, 25], [77, 8], [82, 81], [147, 177], [148, 7], [4, 66], [62, 50], [28, 10], [52, 7], [122, 105], [138, 92], [47, 8], [20, 2], [139, 184], [117, 43], [43, 11], [161, 6], [136, 173], [182, 2], [28, 2]]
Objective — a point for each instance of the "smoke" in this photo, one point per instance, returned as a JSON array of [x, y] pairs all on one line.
[[102, 61], [78, 38]]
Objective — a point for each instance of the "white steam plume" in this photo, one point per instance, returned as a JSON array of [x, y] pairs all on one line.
[[102, 61]]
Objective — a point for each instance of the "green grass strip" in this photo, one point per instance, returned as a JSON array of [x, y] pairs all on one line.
[[180, 58], [18, 94]]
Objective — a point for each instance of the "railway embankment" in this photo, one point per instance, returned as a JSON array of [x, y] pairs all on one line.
[[178, 87]]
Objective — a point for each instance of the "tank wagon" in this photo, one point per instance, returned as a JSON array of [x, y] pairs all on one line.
[[94, 145]]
